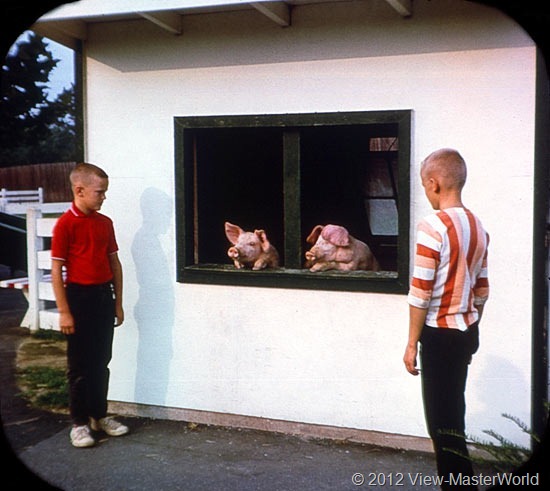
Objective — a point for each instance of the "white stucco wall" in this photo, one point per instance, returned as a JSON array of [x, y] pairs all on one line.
[[468, 74]]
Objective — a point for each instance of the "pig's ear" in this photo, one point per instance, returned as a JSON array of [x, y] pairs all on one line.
[[314, 234], [232, 232], [264, 243], [336, 235]]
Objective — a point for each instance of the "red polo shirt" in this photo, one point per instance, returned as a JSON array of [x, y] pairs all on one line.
[[84, 243]]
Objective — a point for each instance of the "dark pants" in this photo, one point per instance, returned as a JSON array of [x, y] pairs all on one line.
[[445, 355], [89, 350]]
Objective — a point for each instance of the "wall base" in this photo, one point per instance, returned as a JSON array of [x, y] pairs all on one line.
[[305, 430]]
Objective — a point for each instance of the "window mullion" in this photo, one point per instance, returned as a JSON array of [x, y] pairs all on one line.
[[292, 199]]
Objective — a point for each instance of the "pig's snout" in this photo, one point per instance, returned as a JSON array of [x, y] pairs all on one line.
[[310, 255], [233, 253]]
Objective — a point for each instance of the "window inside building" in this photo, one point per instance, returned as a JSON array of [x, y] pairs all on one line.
[[285, 175]]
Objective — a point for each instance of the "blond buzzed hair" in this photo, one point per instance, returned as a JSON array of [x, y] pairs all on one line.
[[448, 165], [83, 171]]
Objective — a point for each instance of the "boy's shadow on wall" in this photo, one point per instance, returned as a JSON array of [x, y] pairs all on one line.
[[154, 310]]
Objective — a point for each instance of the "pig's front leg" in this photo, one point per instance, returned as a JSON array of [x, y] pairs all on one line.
[[351, 266], [323, 266], [259, 264]]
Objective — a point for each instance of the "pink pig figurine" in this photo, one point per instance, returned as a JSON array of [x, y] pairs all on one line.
[[250, 249], [334, 248]]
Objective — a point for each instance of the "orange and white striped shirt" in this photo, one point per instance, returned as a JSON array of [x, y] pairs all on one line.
[[450, 268]]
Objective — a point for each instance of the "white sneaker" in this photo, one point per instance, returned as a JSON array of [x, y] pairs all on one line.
[[110, 426], [80, 436]]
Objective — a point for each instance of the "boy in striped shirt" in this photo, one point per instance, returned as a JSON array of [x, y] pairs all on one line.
[[448, 291]]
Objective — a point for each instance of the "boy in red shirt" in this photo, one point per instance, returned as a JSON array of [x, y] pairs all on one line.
[[90, 303], [448, 291]]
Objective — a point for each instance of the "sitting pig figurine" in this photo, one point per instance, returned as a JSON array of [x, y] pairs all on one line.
[[334, 248], [250, 249]]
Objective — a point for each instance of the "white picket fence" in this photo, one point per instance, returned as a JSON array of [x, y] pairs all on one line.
[[17, 202], [37, 287]]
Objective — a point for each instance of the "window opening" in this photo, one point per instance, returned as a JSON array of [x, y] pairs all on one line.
[[286, 176]]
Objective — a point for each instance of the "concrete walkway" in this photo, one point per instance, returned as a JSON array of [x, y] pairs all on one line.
[[168, 455]]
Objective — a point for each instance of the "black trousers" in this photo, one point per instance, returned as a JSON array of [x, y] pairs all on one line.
[[445, 355], [89, 350]]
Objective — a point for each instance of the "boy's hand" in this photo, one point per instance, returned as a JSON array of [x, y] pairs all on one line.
[[66, 323], [119, 316], [410, 359]]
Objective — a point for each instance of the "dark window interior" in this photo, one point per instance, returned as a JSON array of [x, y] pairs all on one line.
[[339, 175], [286, 176], [239, 179]]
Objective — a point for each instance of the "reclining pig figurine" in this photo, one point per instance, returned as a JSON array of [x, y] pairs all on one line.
[[250, 249], [334, 248]]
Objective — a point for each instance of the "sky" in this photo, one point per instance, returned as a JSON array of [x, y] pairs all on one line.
[[62, 76]]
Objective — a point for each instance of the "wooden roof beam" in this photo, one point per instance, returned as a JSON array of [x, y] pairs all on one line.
[[278, 12], [169, 21], [402, 7]]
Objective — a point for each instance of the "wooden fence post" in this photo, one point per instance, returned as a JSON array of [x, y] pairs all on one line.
[[34, 244]]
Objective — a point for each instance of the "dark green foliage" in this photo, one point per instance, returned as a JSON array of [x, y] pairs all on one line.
[[501, 454], [34, 129], [507, 455]]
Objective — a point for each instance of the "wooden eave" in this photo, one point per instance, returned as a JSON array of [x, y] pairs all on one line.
[[70, 26]]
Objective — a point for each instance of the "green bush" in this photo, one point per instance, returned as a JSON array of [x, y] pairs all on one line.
[[502, 454], [507, 455]]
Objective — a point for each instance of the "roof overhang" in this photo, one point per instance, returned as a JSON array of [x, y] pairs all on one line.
[[69, 23]]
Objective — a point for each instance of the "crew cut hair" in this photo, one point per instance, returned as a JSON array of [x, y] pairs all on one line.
[[84, 170]]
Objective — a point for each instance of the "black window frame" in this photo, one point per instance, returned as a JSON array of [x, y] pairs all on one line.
[[294, 276]]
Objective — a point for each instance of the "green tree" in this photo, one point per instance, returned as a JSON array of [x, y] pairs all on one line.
[[34, 129]]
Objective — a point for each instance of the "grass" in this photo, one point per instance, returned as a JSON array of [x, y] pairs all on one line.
[[41, 371], [48, 334], [44, 387]]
